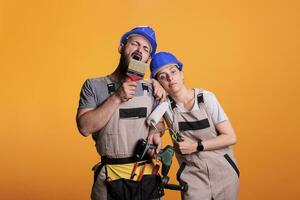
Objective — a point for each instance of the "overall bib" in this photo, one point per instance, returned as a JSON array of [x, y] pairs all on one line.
[[115, 144], [210, 175]]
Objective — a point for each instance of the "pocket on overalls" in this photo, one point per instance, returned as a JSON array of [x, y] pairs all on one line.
[[123, 189], [233, 165], [131, 127]]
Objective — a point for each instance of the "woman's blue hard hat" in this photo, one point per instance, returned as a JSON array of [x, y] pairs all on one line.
[[145, 31], [161, 59]]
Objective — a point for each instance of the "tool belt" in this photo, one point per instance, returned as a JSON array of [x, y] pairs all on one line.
[[127, 168], [128, 179]]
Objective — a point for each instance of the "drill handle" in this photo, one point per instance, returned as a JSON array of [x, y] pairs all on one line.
[[175, 187]]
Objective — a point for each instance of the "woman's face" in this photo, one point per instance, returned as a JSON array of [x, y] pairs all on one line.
[[170, 78]]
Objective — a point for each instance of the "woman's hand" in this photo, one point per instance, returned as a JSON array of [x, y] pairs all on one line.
[[187, 146]]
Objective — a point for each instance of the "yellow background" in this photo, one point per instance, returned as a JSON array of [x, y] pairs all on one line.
[[247, 52]]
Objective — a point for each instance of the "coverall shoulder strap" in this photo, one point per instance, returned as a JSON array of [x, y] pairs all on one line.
[[145, 87], [111, 87], [172, 102], [200, 97]]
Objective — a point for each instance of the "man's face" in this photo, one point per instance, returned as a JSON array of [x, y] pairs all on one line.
[[170, 77], [136, 47]]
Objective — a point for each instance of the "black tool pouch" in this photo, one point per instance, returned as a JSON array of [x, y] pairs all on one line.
[[124, 189]]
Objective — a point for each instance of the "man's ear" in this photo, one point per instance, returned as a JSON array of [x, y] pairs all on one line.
[[120, 48]]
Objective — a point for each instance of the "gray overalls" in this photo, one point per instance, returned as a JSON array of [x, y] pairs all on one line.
[[209, 174], [120, 135]]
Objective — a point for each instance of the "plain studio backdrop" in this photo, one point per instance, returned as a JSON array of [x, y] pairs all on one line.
[[246, 52]]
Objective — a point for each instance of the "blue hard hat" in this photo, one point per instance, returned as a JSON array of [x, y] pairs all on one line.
[[161, 59], [145, 31]]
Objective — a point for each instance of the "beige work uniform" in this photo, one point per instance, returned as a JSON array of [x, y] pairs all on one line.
[[209, 174], [120, 135]]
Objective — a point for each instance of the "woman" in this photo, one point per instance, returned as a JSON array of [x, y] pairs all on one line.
[[207, 163]]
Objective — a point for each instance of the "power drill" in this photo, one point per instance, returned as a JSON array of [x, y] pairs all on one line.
[[165, 156]]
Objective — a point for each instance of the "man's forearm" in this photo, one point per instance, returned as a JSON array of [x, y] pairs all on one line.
[[94, 120]]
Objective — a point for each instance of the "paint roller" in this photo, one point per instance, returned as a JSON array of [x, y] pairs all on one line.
[[157, 114]]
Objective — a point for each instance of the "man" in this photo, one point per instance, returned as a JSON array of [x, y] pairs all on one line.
[[114, 108]]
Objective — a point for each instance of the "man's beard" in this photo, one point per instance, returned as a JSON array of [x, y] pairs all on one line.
[[123, 64], [125, 60]]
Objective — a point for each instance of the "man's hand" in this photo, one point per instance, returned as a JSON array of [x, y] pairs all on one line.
[[158, 91], [154, 138], [187, 146], [127, 90]]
